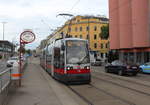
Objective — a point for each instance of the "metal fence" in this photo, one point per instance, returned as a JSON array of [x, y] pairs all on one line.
[[5, 80]]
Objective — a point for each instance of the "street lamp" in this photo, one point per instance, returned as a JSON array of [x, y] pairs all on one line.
[[3, 29], [3, 36]]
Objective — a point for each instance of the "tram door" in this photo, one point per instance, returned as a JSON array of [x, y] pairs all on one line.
[[58, 59], [49, 59]]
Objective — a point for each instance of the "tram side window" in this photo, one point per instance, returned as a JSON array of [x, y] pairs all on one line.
[[49, 54], [58, 55], [61, 58]]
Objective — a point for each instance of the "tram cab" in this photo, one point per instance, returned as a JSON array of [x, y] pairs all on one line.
[[69, 61]]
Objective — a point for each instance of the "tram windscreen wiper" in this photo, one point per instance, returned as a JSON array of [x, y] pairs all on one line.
[[81, 61]]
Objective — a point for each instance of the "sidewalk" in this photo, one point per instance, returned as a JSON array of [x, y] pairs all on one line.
[[38, 88]]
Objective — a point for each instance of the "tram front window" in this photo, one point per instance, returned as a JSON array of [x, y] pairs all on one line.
[[77, 52]]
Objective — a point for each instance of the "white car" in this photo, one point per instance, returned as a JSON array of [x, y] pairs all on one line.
[[11, 61]]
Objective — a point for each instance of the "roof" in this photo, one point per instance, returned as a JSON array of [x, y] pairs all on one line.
[[74, 39], [6, 42]]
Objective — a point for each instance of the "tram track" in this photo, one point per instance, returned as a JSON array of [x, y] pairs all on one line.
[[113, 77], [122, 86], [114, 96], [143, 77], [81, 96], [88, 101]]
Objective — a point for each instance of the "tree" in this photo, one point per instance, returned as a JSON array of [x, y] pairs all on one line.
[[28, 51], [104, 32], [22, 49]]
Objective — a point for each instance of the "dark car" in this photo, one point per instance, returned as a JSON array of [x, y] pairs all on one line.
[[122, 68], [96, 63]]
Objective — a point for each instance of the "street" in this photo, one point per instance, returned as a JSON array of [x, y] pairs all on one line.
[[108, 89], [105, 89]]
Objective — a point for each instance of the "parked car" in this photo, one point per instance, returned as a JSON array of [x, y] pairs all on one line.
[[145, 68], [96, 63], [11, 61], [122, 68]]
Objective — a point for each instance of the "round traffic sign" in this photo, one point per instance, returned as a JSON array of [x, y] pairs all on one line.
[[27, 36]]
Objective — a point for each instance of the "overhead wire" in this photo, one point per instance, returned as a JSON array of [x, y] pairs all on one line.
[[75, 4]]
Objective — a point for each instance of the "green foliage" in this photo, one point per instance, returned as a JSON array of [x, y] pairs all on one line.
[[34, 51], [0, 56], [22, 49], [104, 32], [28, 51]]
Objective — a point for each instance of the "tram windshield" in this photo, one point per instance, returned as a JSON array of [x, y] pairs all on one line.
[[77, 52]]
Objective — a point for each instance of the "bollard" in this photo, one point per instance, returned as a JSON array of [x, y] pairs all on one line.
[[15, 74]]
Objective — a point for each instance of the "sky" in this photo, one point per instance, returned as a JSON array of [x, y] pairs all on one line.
[[40, 16]]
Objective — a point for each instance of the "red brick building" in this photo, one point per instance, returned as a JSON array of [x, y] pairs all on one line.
[[130, 29]]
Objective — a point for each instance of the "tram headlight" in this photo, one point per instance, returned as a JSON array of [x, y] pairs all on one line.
[[69, 68], [87, 67]]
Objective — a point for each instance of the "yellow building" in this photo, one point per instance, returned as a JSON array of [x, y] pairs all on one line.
[[86, 27]]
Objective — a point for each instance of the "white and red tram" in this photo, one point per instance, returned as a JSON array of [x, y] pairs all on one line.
[[68, 60]]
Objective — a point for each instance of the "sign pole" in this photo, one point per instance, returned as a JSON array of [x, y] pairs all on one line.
[[25, 38], [20, 62]]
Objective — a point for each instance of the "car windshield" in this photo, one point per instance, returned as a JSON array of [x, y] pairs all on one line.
[[77, 52], [14, 58], [117, 62]]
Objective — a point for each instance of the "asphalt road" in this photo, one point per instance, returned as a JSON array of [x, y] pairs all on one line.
[[140, 76], [105, 88]]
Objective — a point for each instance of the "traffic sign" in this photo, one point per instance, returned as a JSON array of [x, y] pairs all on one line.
[[27, 36]]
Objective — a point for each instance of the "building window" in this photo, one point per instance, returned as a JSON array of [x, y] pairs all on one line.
[[106, 45], [102, 46], [76, 29], [101, 55], [95, 28], [80, 28], [80, 36], [69, 29], [87, 36], [87, 28], [76, 36], [78, 21], [106, 55], [99, 35], [95, 45], [95, 36]]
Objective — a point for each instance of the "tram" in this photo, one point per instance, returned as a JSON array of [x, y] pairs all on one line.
[[68, 60], [43, 58]]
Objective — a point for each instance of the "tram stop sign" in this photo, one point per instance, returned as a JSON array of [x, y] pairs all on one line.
[[27, 37]]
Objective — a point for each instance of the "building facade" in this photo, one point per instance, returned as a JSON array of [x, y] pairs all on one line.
[[130, 29], [87, 27], [6, 49]]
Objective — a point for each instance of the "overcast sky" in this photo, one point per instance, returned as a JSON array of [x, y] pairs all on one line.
[[40, 15]]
